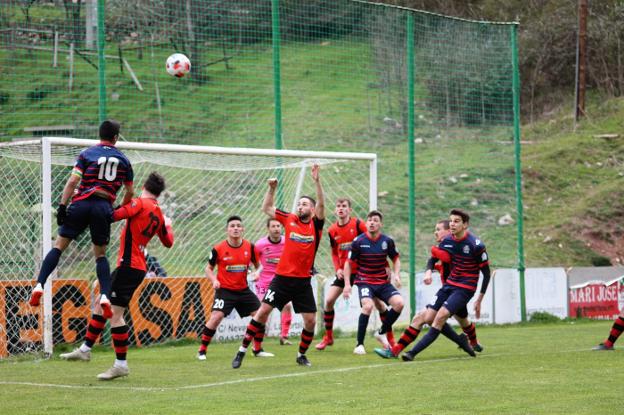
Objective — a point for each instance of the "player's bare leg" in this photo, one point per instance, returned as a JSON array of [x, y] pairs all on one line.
[[47, 267], [120, 334], [256, 325], [328, 316], [210, 328]]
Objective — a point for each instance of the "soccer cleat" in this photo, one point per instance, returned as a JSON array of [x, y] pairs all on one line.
[[408, 356], [76, 354], [477, 347], [602, 346], [359, 350], [382, 339], [303, 361], [35, 297], [238, 360], [465, 345], [107, 311], [262, 353], [327, 341], [201, 356], [284, 341], [114, 372], [385, 353]]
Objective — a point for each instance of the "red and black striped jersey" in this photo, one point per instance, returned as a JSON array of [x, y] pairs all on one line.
[[144, 219], [301, 243], [340, 238], [103, 168]]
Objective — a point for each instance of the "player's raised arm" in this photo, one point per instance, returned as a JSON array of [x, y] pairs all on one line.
[[320, 196], [268, 205]]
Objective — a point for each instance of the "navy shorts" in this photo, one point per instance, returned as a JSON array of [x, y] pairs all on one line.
[[95, 213], [382, 291], [454, 299]]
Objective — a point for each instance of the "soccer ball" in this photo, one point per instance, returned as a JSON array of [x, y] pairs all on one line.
[[178, 65]]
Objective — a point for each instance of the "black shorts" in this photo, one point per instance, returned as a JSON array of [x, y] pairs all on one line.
[[95, 213], [245, 301], [125, 282], [454, 299], [340, 282], [283, 290], [382, 291]]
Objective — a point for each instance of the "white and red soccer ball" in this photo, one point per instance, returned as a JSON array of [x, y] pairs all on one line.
[[178, 65]]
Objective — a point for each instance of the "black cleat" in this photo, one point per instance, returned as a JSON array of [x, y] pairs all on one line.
[[303, 361], [477, 347], [601, 347], [238, 360], [465, 345], [408, 356]]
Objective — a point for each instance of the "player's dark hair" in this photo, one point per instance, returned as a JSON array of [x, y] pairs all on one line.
[[310, 198], [343, 200], [232, 218], [375, 213], [445, 223], [155, 184], [269, 220], [458, 212], [109, 129]]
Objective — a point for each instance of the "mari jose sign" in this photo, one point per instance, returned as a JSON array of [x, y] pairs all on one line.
[[597, 299]]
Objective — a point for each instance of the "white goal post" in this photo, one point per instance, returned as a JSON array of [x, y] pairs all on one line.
[[205, 185]]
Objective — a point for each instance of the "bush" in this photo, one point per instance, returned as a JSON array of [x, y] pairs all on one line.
[[543, 317]]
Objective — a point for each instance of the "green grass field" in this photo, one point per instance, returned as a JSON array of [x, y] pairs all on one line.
[[525, 369]]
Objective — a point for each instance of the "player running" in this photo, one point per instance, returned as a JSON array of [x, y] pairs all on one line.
[[99, 171], [341, 233], [268, 252], [369, 253], [232, 258], [614, 333], [303, 233], [144, 220]]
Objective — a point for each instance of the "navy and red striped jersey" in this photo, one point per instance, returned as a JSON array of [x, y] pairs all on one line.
[[103, 168], [144, 220], [466, 255], [371, 258], [232, 263], [340, 238]]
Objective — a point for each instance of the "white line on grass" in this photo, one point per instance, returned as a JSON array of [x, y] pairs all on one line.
[[265, 378]]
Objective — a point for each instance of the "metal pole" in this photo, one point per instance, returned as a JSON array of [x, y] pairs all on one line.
[[101, 44], [581, 61], [46, 246], [518, 166], [277, 90], [412, 169]]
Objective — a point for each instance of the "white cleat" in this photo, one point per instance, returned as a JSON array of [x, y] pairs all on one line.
[[201, 356], [262, 353], [76, 354], [382, 339], [113, 373], [359, 350]]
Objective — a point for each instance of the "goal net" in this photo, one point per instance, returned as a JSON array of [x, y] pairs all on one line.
[[205, 185]]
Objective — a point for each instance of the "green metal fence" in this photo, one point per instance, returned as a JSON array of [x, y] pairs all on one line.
[[436, 97]]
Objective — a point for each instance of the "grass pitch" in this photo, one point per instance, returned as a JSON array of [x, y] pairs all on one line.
[[524, 369]]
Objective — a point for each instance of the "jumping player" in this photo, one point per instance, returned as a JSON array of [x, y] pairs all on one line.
[[144, 220], [100, 171], [303, 233]]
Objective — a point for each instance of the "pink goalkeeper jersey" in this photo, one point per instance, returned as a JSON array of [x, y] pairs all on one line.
[[268, 253]]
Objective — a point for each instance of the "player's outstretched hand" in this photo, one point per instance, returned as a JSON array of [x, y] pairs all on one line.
[[346, 292], [61, 215], [428, 278], [477, 309], [216, 285], [397, 280], [315, 172], [272, 183]]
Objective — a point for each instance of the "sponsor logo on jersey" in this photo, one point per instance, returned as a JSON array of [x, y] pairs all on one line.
[[364, 246], [466, 249], [305, 239], [447, 246], [236, 268], [273, 260], [345, 246]]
